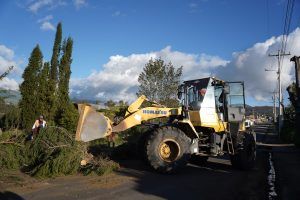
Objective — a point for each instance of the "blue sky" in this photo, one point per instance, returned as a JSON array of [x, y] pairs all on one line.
[[208, 29]]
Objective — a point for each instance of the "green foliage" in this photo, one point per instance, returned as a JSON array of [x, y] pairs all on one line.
[[288, 131], [68, 118], [289, 127], [9, 115], [12, 154], [56, 53], [65, 72], [53, 152], [110, 103], [67, 115], [30, 103], [11, 120], [45, 89], [291, 89], [159, 82], [45, 95], [53, 75]]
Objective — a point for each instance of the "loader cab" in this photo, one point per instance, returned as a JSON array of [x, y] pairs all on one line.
[[209, 101], [230, 100]]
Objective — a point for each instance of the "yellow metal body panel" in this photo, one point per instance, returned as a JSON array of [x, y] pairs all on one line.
[[188, 123], [195, 118], [217, 124], [135, 105], [93, 125]]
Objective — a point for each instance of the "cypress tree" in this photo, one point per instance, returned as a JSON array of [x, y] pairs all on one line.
[[53, 74], [66, 114], [56, 53], [30, 102], [44, 94]]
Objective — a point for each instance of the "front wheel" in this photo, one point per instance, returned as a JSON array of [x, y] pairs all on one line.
[[246, 152], [168, 149]]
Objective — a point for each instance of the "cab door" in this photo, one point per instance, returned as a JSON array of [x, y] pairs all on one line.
[[236, 101]]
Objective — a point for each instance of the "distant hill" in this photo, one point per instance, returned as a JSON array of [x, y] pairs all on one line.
[[260, 110], [13, 97], [10, 96]]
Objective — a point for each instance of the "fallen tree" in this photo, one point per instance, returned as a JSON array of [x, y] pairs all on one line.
[[53, 152]]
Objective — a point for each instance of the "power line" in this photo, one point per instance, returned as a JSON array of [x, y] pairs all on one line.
[[280, 56], [268, 18], [286, 28]]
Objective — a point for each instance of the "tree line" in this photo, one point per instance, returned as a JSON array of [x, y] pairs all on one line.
[[45, 89]]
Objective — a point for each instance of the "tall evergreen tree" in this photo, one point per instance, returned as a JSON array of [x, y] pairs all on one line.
[[159, 82], [66, 114], [30, 103], [53, 80], [56, 53], [44, 94]]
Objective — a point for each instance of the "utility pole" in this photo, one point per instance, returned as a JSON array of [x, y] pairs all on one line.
[[274, 107], [280, 55], [6, 72], [297, 108]]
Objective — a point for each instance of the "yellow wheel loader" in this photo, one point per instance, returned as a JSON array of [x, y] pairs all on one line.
[[210, 122]]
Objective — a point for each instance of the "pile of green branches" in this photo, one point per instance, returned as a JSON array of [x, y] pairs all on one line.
[[53, 152], [12, 146]]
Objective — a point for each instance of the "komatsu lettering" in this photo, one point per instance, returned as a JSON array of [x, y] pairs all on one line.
[[156, 112]]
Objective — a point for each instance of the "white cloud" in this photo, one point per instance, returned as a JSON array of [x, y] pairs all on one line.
[[35, 5], [118, 79], [45, 19], [7, 59], [45, 23], [46, 26], [9, 84], [250, 65], [79, 3], [6, 52]]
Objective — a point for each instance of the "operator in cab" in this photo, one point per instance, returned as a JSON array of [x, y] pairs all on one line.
[[198, 99]]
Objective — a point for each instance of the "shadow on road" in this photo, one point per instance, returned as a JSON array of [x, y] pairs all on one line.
[[215, 180], [6, 195]]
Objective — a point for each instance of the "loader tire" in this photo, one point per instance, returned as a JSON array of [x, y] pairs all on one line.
[[168, 149], [244, 158], [141, 145]]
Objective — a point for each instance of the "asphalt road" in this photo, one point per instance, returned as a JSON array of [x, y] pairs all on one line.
[[216, 180]]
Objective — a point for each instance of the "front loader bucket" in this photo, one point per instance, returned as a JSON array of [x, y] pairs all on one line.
[[91, 125]]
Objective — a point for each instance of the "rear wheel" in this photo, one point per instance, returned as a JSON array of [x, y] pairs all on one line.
[[168, 149], [246, 153]]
